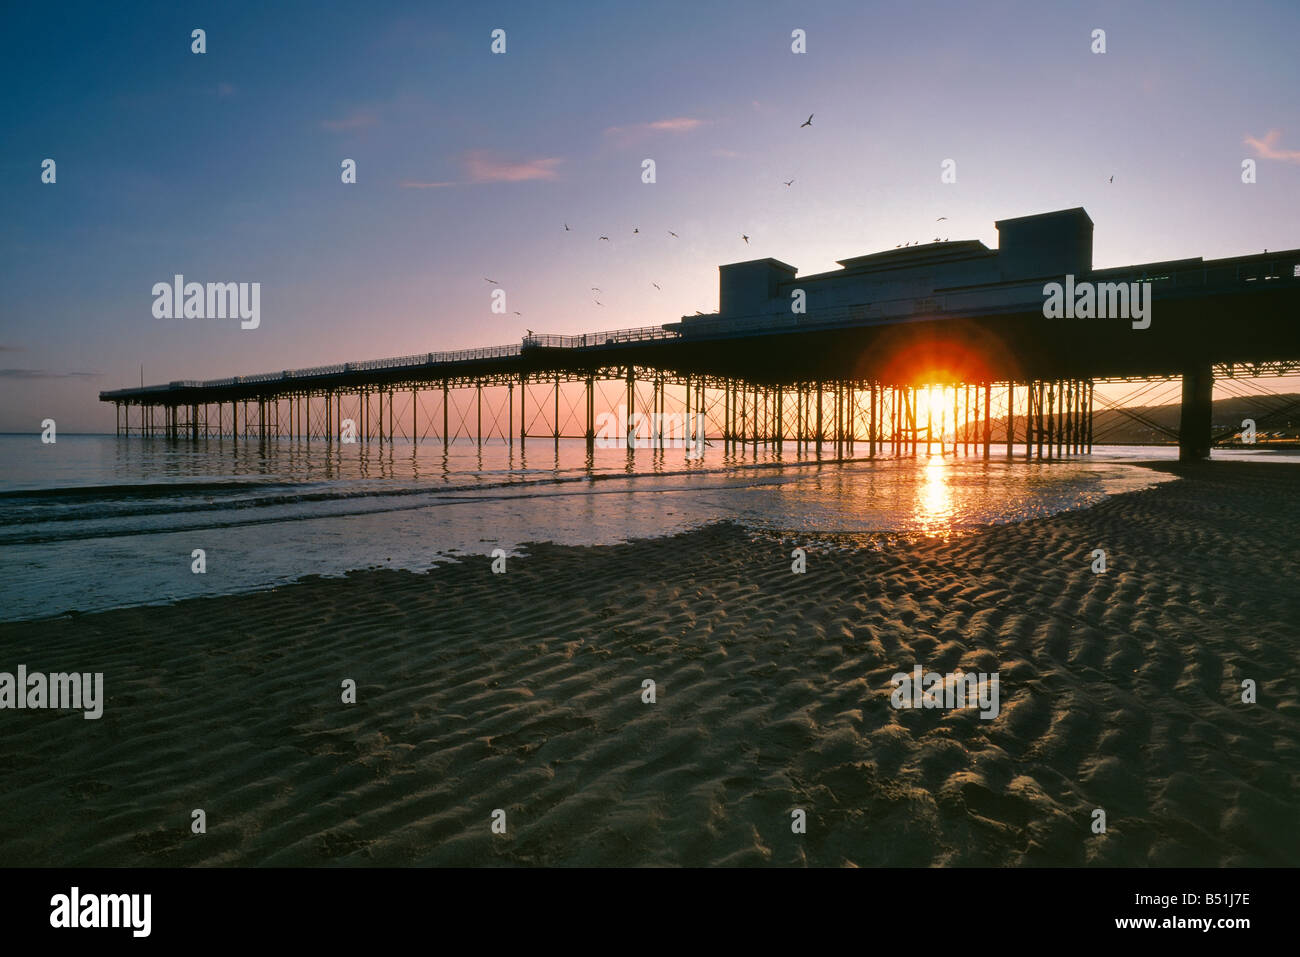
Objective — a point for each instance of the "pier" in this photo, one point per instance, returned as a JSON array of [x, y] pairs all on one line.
[[940, 347]]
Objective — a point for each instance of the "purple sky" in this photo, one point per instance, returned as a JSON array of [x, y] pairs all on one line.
[[225, 166]]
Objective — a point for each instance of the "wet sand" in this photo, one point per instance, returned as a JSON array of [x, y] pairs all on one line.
[[523, 692]]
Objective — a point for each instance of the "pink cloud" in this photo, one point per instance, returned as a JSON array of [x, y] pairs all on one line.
[[482, 166], [626, 135], [356, 120], [1265, 148]]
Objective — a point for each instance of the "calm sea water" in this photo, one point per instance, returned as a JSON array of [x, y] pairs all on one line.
[[95, 522]]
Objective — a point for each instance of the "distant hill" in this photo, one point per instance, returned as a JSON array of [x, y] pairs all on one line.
[[1110, 427]]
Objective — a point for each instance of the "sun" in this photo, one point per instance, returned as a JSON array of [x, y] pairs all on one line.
[[931, 401]]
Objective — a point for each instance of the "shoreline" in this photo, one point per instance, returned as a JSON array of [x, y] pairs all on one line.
[[522, 691], [58, 568]]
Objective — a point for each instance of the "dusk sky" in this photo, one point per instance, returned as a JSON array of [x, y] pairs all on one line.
[[225, 166]]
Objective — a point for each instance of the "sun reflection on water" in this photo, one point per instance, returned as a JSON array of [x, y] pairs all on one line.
[[934, 504]]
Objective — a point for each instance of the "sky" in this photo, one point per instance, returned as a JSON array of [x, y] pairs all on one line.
[[225, 166]]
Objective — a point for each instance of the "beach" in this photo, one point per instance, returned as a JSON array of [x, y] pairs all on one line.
[[523, 691]]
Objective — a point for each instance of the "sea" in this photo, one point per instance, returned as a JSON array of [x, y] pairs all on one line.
[[93, 522]]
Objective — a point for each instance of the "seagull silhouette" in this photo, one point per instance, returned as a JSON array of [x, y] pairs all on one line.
[[745, 238], [635, 230], [518, 313], [1112, 178], [789, 182], [941, 219], [606, 238], [596, 289], [807, 122], [493, 281], [566, 227], [597, 302], [673, 234], [657, 286]]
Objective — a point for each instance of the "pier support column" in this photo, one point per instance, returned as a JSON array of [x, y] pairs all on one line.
[[1090, 386], [726, 417], [819, 420], [1029, 420], [871, 423], [630, 438], [591, 415], [779, 435], [1196, 417], [988, 419], [1011, 416]]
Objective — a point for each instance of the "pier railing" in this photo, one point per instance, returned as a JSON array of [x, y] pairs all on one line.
[[396, 362], [593, 339]]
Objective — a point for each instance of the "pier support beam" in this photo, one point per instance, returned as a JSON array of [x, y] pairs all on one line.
[[988, 418], [1196, 417], [591, 415]]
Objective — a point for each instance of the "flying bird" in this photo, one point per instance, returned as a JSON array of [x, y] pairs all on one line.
[[657, 286], [606, 238], [1112, 178], [518, 313], [807, 122], [789, 182], [673, 234], [493, 281], [597, 302], [635, 230], [941, 219], [596, 289], [566, 228], [745, 238]]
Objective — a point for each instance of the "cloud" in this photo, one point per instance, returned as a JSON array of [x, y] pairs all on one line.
[[481, 166], [627, 135], [42, 374], [1265, 148], [356, 120], [484, 166]]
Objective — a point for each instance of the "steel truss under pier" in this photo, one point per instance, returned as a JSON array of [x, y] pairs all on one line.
[[836, 419]]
